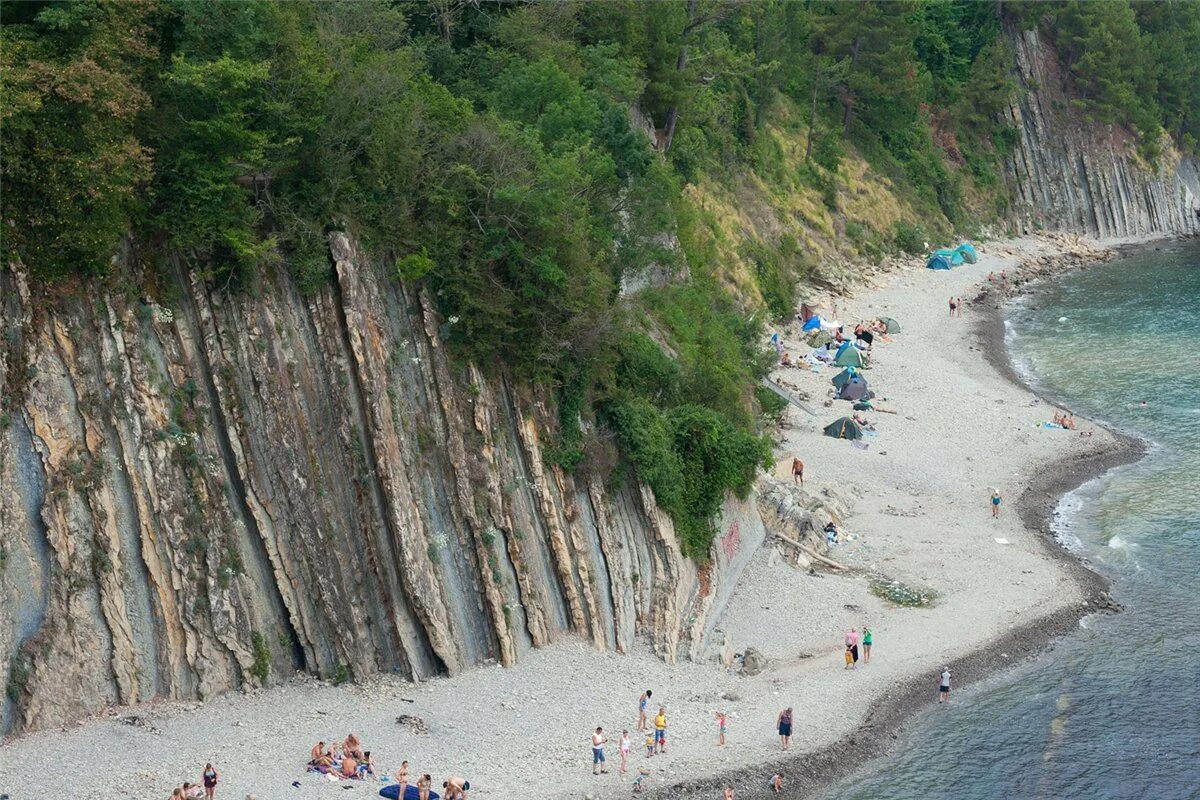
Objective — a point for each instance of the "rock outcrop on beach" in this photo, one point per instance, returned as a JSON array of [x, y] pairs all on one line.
[[1070, 173], [219, 493]]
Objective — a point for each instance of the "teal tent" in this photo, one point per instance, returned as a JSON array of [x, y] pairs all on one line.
[[891, 324], [843, 377], [966, 251], [953, 256], [937, 262], [851, 357], [844, 428]]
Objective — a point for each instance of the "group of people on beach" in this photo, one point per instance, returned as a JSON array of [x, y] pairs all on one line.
[[349, 761], [207, 788], [852, 642]]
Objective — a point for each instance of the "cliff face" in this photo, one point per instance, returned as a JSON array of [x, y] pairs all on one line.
[[1071, 174], [221, 492]]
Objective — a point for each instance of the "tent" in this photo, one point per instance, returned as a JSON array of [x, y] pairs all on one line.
[[819, 338], [854, 389], [892, 325], [937, 262], [955, 257], [813, 324], [844, 428], [967, 252], [842, 377], [851, 357]]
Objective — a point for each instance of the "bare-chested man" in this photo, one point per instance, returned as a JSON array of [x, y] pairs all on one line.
[[798, 471], [320, 756], [455, 788]]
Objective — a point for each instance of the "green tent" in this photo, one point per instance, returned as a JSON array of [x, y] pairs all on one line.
[[819, 338], [844, 428], [851, 357], [892, 325]]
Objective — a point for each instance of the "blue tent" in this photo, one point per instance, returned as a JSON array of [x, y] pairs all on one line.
[[937, 262], [953, 256], [814, 323], [966, 252], [843, 376]]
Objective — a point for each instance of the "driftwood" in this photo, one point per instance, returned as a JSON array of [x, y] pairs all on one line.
[[808, 551]]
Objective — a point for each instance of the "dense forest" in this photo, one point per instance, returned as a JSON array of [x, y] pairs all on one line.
[[524, 161]]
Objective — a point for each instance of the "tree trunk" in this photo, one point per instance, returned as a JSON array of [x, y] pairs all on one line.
[[847, 98], [680, 65]]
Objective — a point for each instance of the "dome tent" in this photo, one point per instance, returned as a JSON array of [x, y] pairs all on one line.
[[854, 389], [842, 377], [851, 357], [844, 428], [891, 324], [966, 252], [937, 262]]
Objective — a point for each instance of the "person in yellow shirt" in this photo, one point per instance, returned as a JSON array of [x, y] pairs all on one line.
[[660, 731]]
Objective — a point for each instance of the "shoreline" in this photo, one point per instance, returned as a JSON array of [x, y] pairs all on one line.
[[847, 718], [810, 774]]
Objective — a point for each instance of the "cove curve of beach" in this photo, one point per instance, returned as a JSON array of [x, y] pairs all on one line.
[[964, 425]]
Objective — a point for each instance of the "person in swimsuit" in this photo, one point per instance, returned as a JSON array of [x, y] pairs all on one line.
[[728, 793], [784, 724], [866, 642], [776, 783], [177, 794], [625, 746], [401, 776], [353, 747], [722, 727], [210, 781], [424, 784], [598, 741], [944, 686], [797, 471], [660, 730], [996, 503], [192, 791], [953, 306], [649, 745], [349, 766], [643, 702], [320, 756], [455, 788]]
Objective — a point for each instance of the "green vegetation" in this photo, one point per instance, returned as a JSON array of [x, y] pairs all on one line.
[[262, 657], [901, 594], [489, 154]]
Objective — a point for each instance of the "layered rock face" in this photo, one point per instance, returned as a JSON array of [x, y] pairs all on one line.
[[225, 489], [1071, 174]]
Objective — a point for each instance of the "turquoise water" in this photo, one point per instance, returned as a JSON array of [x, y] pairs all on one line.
[[1112, 712]]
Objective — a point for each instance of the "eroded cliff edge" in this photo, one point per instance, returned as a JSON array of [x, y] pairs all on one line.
[[234, 487]]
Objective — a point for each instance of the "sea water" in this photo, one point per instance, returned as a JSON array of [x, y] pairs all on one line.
[[1112, 712]]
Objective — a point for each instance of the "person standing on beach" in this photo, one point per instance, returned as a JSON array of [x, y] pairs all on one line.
[[953, 307], [722, 720], [625, 746], [643, 702], [996, 503], [660, 730], [852, 645], [210, 781], [944, 686], [598, 741], [784, 724], [797, 471], [866, 642]]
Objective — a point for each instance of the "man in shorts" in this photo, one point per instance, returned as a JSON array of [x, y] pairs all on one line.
[[660, 730], [598, 741], [944, 686]]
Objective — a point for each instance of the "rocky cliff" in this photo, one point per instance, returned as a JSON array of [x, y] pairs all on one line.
[[1068, 173], [217, 490]]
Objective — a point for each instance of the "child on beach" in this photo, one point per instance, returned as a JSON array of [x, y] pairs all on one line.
[[660, 730], [649, 745], [996, 503], [849, 659], [721, 728], [776, 783], [626, 744], [643, 773]]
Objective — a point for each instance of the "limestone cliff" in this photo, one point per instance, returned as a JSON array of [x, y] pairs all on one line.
[[222, 489], [1068, 173]]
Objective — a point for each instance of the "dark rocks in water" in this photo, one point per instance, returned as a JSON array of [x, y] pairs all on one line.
[[1106, 602]]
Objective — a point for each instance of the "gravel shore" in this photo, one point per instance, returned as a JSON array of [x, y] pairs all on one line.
[[921, 516]]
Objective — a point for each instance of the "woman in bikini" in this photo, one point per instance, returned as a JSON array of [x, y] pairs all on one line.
[[210, 781]]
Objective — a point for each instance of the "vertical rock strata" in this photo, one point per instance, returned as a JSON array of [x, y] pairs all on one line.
[[1071, 174], [224, 489]]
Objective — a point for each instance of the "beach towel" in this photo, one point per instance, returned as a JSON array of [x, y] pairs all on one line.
[[410, 792]]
